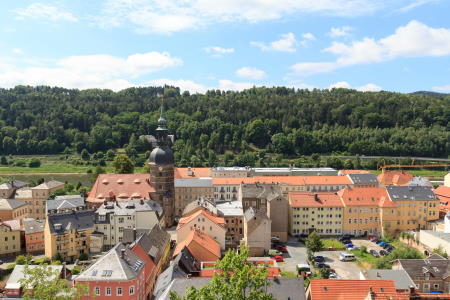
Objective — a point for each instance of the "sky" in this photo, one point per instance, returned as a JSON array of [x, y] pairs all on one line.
[[369, 45]]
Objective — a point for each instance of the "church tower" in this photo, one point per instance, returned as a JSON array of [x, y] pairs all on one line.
[[161, 164]]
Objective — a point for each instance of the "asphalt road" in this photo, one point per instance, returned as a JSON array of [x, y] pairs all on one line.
[[344, 269], [296, 255]]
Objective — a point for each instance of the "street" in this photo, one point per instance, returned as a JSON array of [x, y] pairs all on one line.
[[296, 255]]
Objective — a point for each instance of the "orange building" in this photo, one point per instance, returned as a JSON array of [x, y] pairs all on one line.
[[34, 235], [201, 246], [11, 209], [333, 289], [186, 173], [443, 193]]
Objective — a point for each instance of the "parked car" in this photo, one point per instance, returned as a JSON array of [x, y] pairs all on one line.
[[378, 242], [275, 239], [389, 249], [281, 248], [374, 253], [352, 248], [305, 268], [374, 240], [349, 245], [278, 258], [322, 265], [319, 258], [387, 245], [382, 244], [383, 253], [346, 256]]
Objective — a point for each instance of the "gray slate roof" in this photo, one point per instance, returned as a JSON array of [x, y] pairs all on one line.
[[78, 220], [205, 203], [194, 182], [400, 277], [363, 178], [112, 267], [8, 204], [420, 193], [129, 207], [438, 268], [280, 288], [182, 265], [33, 226], [65, 202], [10, 184], [153, 241], [261, 191]]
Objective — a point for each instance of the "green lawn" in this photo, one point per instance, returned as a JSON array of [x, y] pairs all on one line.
[[421, 172], [365, 260], [288, 274], [51, 167], [332, 243]]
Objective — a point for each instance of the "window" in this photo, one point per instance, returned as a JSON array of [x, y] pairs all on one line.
[[97, 291], [436, 285], [119, 291], [108, 291], [131, 290]]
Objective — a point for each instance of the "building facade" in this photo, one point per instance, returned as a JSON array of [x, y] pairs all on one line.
[[320, 212], [34, 235], [190, 189], [68, 234], [10, 238], [257, 232], [112, 217], [13, 210]]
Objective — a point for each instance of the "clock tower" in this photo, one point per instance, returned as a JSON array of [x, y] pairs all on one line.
[[161, 164]]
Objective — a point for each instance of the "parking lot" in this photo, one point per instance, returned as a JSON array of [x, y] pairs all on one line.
[[344, 269], [296, 255]]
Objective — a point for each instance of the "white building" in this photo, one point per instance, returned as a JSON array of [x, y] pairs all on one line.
[[112, 217]]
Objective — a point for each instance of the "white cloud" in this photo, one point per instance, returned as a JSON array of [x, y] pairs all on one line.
[[444, 88], [168, 16], [217, 51], [251, 73], [370, 87], [90, 71], [45, 13], [336, 32], [339, 85], [184, 85], [414, 4], [228, 85], [17, 51], [309, 36], [415, 39], [287, 43]]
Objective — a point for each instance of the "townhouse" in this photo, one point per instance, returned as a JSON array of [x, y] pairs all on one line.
[[257, 232], [190, 189], [11, 209], [320, 212], [112, 217], [10, 238], [417, 206], [68, 234], [34, 235], [200, 245]]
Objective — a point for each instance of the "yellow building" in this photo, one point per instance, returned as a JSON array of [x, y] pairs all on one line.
[[363, 208], [190, 189], [417, 206], [10, 243], [320, 212], [68, 234], [13, 210]]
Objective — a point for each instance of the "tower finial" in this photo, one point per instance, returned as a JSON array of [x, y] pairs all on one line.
[[162, 104]]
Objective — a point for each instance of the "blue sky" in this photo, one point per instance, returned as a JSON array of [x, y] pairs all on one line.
[[394, 45]]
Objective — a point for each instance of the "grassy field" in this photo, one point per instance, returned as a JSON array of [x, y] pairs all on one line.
[[365, 260], [434, 174], [332, 243]]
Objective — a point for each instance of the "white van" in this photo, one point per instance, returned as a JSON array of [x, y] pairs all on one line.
[[346, 256]]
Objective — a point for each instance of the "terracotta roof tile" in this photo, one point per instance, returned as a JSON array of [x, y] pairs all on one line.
[[198, 243], [307, 199], [182, 173], [123, 186], [289, 180], [369, 196], [443, 193], [345, 289], [218, 220], [395, 178]]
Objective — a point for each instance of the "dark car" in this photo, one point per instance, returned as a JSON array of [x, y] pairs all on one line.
[[374, 253], [374, 240], [322, 266], [386, 246], [383, 253], [379, 242], [389, 249], [1, 262], [319, 258]]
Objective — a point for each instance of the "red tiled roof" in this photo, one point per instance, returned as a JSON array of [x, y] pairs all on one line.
[[443, 193], [367, 196], [200, 245], [395, 178], [182, 173], [347, 289], [123, 186], [217, 220], [346, 172], [289, 180], [307, 199]]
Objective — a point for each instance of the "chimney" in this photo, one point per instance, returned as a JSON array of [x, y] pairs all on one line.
[[412, 289], [134, 233], [371, 294], [378, 275], [122, 253], [190, 172], [316, 197], [141, 201]]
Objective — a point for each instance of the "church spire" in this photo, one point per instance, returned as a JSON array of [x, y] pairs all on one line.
[[161, 131]]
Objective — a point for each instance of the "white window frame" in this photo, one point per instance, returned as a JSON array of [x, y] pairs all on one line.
[[108, 291], [121, 291], [131, 290]]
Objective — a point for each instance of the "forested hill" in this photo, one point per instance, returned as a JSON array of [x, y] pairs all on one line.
[[44, 120]]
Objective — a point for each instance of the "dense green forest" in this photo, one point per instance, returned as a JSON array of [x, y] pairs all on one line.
[[45, 120]]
